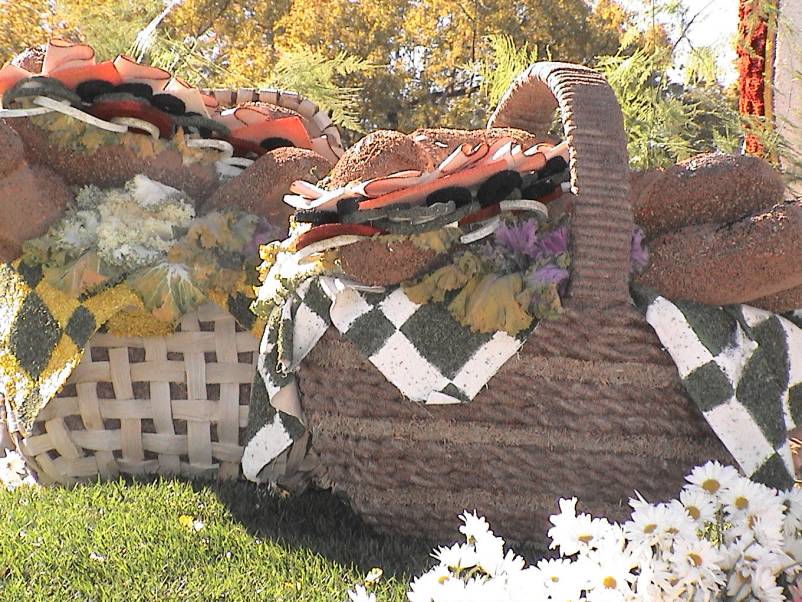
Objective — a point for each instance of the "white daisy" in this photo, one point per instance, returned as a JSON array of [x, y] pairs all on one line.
[[555, 572], [424, 588], [360, 594], [611, 569], [742, 497], [700, 506], [711, 477], [457, 557], [474, 527], [695, 563], [647, 524], [489, 552], [573, 533], [765, 588], [793, 514], [526, 585], [13, 462]]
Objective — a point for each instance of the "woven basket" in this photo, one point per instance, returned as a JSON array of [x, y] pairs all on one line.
[[592, 406], [173, 405]]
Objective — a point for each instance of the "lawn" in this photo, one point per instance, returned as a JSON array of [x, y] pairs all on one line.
[[171, 540]]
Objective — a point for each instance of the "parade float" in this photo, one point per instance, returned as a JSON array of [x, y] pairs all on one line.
[[442, 320]]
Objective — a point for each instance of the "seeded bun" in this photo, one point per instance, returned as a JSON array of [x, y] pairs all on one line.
[[379, 154]]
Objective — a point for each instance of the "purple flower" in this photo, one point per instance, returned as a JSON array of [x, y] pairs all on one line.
[[265, 232], [518, 237], [639, 254], [546, 275], [551, 244]]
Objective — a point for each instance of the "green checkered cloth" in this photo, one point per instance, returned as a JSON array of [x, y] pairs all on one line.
[[421, 349], [742, 366]]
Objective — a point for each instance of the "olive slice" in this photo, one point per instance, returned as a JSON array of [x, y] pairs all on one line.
[[273, 143], [91, 89], [137, 89], [169, 104]]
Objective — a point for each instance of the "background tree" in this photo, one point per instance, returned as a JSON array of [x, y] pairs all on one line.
[[425, 54]]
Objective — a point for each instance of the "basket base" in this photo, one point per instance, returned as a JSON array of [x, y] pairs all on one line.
[[592, 408]]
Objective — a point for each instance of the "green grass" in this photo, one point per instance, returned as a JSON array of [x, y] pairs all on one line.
[[124, 541]]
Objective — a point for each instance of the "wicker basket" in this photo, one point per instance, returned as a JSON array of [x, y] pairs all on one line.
[[592, 407], [170, 405], [174, 405]]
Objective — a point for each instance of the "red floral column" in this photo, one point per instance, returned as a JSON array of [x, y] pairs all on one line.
[[755, 60]]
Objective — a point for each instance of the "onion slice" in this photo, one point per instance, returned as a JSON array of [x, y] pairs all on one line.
[[66, 109], [4, 113], [524, 205], [490, 226], [334, 242], [139, 124], [224, 147], [242, 162]]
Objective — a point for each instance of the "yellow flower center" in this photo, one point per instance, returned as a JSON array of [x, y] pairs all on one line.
[[650, 528], [711, 485], [693, 512], [694, 559], [585, 538], [442, 579], [741, 503], [554, 579], [610, 582]]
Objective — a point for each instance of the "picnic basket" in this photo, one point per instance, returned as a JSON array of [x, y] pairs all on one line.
[[591, 407], [173, 405]]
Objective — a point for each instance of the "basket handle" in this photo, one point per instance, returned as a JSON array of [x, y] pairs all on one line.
[[317, 120], [602, 220]]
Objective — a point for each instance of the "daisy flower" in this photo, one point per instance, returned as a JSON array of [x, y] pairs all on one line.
[[793, 515], [711, 477], [611, 570], [360, 594], [457, 557], [698, 505], [474, 527], [695, 564], [489, 552], [647, 525], [765, 588], [555, 572], [423, 588], [742, 497]]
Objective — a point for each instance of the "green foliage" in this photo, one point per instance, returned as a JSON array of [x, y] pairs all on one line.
[[306, 71], [122, 541], [506, 62], [669, 122], [311, 73]]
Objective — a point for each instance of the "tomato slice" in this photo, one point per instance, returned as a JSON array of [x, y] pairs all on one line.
[[242, 148], [109, 109], [72, 76], [481, 215], [327, 231], [289, 128]]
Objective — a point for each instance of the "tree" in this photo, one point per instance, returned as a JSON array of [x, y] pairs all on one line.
[[427, 54]]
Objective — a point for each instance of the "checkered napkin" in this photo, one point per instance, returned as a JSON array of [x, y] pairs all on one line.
[[42, 336], [742, 366], [420, 349]]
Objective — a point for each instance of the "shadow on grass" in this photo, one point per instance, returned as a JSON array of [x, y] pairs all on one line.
[[323, 523]]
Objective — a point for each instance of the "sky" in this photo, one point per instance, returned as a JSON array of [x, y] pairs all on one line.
[[716, 26]]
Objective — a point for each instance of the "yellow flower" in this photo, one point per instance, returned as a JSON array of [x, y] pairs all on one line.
[[185, 521]]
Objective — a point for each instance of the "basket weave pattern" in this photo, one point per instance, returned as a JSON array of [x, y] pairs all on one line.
[[170, 405], [592, 407]]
